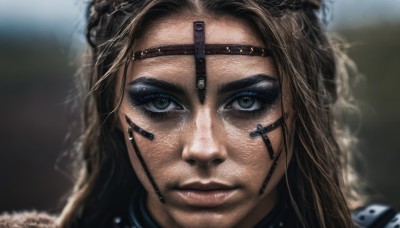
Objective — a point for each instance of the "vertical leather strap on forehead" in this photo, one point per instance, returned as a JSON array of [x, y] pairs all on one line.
[[200, 60]]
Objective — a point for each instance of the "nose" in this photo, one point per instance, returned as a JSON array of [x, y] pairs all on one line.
[[203, 146]]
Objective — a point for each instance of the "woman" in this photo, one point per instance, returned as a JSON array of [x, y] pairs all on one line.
[[212, 114]]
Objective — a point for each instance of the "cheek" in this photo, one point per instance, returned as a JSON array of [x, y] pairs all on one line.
[[250, 154], [252, 149], [249, 158], [247, 161], [159, 154]]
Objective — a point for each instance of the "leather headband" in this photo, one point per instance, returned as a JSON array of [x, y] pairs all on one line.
[[210, 49], [200, 58], [200, 49]]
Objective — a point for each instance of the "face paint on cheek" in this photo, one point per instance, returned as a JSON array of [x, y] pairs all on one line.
[[269, 175], [150, 136], [262, 131], [139, 130]]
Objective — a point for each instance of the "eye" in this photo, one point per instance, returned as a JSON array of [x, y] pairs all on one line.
[[245, 103], [161, 104]]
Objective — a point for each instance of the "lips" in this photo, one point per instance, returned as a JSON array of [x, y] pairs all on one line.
[[205, 195]]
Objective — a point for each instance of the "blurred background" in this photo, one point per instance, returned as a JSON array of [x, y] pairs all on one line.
[[40, 42]]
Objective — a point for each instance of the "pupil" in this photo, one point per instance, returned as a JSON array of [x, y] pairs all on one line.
[[161, 103], [246, 102]]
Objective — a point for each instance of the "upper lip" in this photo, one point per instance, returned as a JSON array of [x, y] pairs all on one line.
[[207, 186]]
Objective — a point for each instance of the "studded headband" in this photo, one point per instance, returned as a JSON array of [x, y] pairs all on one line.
[[199, 49]]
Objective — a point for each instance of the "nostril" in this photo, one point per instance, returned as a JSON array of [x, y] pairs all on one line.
[[191, 162], [218, 161]]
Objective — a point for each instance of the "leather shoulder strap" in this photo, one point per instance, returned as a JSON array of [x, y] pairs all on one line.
[[377, 216]]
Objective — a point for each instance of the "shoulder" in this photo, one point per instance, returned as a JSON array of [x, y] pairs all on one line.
[[27, 219], [377, 215]]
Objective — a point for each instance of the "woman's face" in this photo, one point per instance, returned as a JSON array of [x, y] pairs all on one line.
[[202, 158]]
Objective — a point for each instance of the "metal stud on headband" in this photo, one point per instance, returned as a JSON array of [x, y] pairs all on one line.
[[200, 49]]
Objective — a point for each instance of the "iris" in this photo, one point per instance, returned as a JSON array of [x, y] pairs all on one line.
[[246, 102], [161, 103]]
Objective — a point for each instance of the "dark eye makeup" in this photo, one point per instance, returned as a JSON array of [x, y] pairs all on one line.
[[159, 104], [252, 101], [154, 102]]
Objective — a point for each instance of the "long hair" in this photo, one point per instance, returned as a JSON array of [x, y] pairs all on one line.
[[307, 61]]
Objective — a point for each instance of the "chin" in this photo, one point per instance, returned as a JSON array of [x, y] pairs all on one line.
[[206, 219]]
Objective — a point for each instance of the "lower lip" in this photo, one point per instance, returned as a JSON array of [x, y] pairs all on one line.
[[211, 198]]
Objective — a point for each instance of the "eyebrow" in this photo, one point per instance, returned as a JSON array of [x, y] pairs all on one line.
[[245, 82], [174, 88]]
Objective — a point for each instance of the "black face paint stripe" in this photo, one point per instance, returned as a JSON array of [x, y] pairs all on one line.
[[150, 136], [267, 142], [139, 130], [269, 175], [200, 58], [262, 131], [269, 128]]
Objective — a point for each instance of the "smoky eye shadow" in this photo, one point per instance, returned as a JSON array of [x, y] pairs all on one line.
[[139, 93], [268, 93], [145, 89]]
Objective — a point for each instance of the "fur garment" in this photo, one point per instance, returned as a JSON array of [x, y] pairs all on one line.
[[30, 219]]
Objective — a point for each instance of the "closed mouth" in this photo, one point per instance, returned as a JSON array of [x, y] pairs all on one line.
[[205, 195]]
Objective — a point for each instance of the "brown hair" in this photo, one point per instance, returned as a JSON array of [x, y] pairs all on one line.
[[306, 60]]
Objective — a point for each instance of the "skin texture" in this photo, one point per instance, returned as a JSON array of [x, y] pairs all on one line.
[[204, 143]]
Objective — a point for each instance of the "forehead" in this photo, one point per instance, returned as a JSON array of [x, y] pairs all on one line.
[[180, 69], [178, 29]]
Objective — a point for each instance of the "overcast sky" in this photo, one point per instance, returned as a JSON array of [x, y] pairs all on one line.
[[67, 15]]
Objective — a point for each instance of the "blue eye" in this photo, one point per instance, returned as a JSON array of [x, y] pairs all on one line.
[[161, 104], [245, 103]]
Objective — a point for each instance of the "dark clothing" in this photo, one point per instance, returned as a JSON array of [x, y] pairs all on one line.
[[371, 216]]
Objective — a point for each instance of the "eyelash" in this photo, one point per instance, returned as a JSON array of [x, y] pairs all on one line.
[[156, 115], [264, 100], [148, 98]]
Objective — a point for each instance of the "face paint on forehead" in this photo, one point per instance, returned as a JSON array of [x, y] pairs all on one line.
[[150, 136], [200, 49]]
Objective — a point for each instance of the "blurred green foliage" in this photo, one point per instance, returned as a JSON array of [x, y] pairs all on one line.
[[376, 51]]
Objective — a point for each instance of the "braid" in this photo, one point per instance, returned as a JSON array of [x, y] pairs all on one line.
[[104, 18], [290, 4], [96, 11]]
